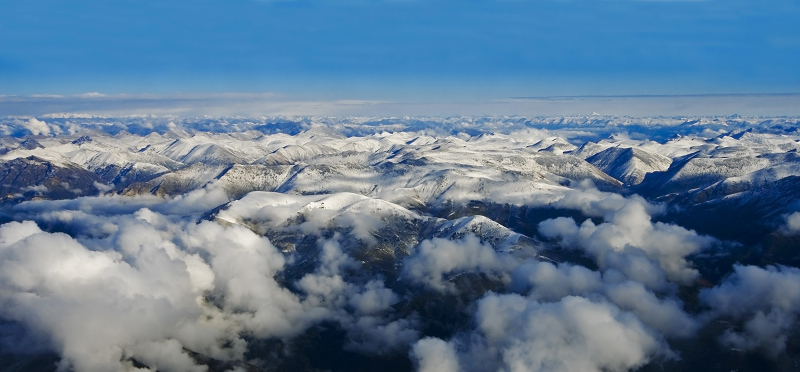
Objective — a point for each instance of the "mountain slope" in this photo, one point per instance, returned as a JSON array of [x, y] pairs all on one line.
[[629, 165]]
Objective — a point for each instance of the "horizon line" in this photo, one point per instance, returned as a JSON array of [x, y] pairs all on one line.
[[657, 95], [279, 95]]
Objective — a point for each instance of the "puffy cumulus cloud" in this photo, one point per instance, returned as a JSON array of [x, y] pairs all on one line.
[[150, 290], [432, 259], [167, 355], [36, 127], [95, 205], [764, 331], [630, 242], [374, 298], [663, 315], [792, 226], [326, 286], [582, 196], [767, 300], [751, 288], [585, 197], [204, 287], [574, 334], [549, 282], [85, 227], [95, 308], [434, 355], [377, 335], [362, 309], [244, 265], [222, 276], [200, 200]]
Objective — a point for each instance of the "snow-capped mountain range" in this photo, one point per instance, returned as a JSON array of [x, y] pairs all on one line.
[[392, 244], [412, 168]]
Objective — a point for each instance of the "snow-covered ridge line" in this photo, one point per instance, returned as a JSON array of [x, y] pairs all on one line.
[[445, 162], [657, 128]]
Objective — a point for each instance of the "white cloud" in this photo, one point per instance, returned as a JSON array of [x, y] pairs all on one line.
[[166, 355], [766, 300], [573, 334], [36, 127], [434, 258], [664, 315], [376, 335], [231, 266], [358, 308], [551, 283], [792, 226], [630, 242], [90, 95], [374, 299], [434, 355], [244, 265], [94, 306], [142, 290], [199, 200]]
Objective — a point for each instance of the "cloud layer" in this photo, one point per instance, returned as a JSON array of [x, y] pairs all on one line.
[[142, 279], [628, 241]]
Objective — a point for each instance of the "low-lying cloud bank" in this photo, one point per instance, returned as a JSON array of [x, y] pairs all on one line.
[[567, 317], [149, 287], [147, 281], [766, 300], [628, 241], [144, 291]]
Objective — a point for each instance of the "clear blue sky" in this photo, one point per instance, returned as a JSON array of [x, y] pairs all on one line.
[[412, 49]]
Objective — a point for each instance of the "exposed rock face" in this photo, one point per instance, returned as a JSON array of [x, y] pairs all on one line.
[[31, 177]]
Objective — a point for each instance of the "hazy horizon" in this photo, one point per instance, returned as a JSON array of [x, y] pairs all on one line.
[[271, 104]]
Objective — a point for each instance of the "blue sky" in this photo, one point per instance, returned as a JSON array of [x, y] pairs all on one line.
[[380, 49]]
